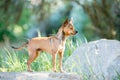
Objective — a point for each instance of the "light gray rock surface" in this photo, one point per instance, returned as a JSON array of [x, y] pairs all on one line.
[[37, 76], [97, 60]]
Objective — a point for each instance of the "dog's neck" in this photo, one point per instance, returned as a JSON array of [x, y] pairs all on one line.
[[61, 35]]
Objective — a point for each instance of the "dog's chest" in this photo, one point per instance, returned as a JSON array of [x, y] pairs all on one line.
[[56, 44], [61, 47], [58, 47]]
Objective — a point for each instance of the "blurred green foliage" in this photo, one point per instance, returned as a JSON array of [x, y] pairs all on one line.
[[93, 18], [104, 15], [13, 15]]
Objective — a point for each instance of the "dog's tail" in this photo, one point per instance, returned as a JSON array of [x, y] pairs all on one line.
[[21, 47]]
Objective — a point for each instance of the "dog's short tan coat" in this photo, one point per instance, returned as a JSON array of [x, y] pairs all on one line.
[[53, 44]]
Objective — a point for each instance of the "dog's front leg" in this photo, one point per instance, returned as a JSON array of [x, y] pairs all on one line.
[[54, 61], [60, 60]]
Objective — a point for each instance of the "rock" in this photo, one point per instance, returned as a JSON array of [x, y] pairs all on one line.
[[38, 76], [64, 76], [97, 60]]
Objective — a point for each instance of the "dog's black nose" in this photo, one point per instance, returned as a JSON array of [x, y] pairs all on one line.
[[76, 31]]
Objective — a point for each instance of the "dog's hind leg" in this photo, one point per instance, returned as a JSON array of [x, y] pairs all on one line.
[[32, 56]]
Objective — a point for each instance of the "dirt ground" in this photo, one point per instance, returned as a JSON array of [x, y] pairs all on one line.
[[38, 76]]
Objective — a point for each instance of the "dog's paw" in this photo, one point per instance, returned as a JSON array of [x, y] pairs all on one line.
[[30, 70], [54, 70], [62, 71]]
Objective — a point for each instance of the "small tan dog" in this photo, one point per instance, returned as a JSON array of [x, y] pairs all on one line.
[[53, 44]]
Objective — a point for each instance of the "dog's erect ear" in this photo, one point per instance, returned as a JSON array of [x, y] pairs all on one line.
[[66, 21], [71, 20]]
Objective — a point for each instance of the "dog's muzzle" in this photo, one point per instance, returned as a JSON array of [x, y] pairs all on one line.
[[75, 32]]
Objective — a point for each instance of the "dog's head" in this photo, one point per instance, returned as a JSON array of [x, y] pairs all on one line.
[[68, 27]]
